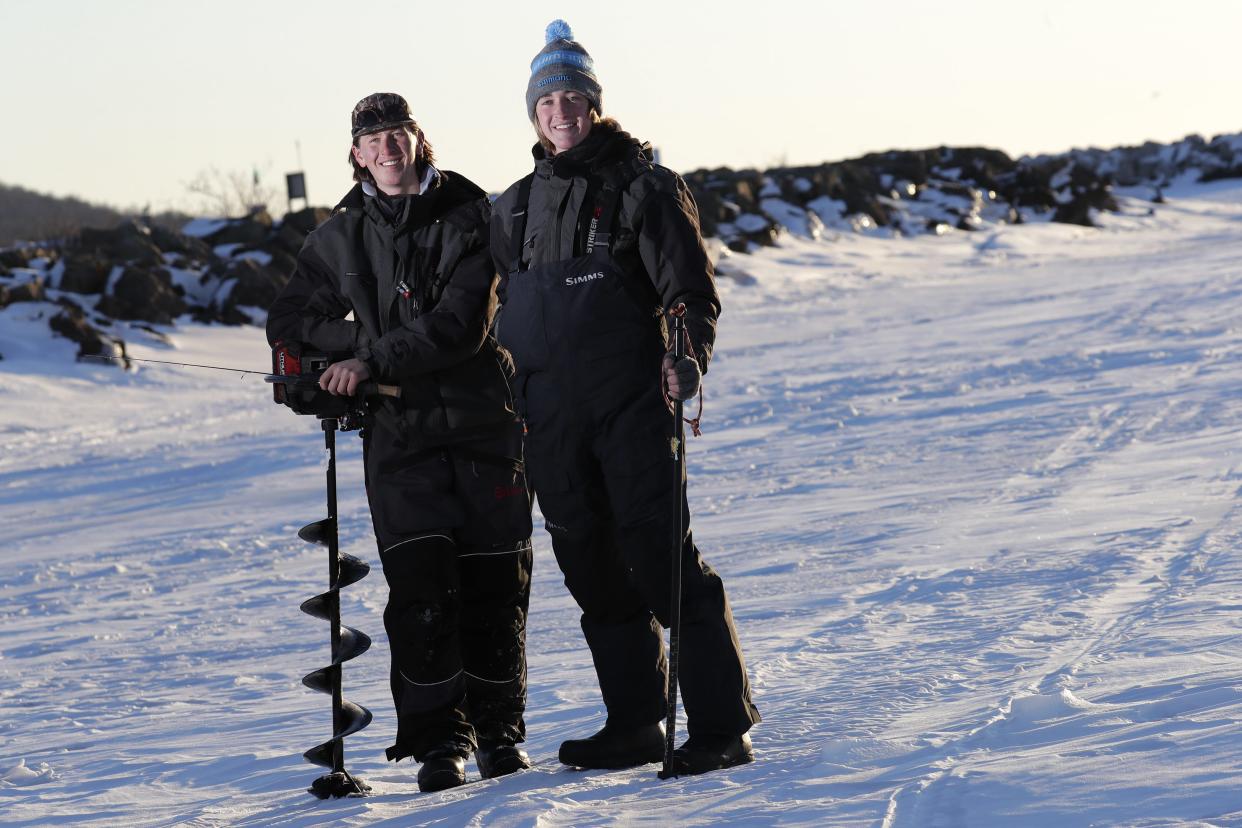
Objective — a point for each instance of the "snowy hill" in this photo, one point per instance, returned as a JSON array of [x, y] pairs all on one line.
[[973, 495]]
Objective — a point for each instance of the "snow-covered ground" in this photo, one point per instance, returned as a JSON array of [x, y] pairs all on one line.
[[974, 498]]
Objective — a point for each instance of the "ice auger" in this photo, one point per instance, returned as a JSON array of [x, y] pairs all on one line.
[[347, 642]]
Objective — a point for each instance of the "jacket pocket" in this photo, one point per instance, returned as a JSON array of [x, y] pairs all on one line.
[[476, 393]]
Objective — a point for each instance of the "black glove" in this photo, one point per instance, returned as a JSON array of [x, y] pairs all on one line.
[[682, 376]]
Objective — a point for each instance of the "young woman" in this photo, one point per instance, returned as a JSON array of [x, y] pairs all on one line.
[[406, 253], [593, 248]]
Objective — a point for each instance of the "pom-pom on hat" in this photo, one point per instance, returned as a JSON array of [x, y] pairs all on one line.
[[562, 64]]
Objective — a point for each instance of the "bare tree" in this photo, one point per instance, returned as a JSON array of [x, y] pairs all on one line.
[[230, 193]]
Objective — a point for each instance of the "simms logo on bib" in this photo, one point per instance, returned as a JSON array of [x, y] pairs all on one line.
[[570, 281]]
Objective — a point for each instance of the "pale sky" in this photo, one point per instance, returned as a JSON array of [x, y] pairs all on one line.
[[124, 101]]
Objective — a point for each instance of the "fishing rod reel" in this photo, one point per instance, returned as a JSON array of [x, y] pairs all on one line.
[[295, 383]]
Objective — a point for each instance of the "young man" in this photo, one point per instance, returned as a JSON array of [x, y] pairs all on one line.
[[406, 253], [593, 247]]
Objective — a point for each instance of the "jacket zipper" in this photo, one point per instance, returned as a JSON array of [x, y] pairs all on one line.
[[560, 219]]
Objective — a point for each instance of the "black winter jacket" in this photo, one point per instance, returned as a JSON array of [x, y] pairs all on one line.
[[421, 289], [656, 238]]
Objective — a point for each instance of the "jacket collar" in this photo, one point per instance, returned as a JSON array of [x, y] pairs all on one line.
[[357, 195], [605, 146], [430, 180]]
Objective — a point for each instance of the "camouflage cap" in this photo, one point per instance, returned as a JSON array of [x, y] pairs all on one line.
[[381, 110]]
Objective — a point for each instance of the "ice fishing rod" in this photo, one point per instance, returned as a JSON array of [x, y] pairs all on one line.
[[678, 451], [306, 379], [167, 362]]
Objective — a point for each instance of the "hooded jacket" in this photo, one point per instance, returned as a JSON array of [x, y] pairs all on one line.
[[656, 239], [416, 276]]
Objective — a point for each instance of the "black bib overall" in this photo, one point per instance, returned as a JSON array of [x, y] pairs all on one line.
[[597, 451]]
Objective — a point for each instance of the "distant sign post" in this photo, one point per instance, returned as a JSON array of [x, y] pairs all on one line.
[[295, 186]]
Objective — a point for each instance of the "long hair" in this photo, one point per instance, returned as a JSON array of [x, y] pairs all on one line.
[[423, 156]]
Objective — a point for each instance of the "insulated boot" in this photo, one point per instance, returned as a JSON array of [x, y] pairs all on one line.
[[701, 754], [616, 747], [443, 767], [500, 759]]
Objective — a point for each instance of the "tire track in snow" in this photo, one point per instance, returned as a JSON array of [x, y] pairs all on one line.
[[1158, 567]]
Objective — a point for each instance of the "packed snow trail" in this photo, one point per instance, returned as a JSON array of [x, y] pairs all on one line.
[[973, 497]]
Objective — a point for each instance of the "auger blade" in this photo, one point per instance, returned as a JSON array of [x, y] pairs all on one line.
[[347, 643], [356, 718], [353, 644], [353, 570], [321, 755], [317, 606], [319, 531], [319, 680]]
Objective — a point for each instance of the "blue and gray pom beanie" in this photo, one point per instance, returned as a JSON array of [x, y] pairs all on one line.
[[562, 64]]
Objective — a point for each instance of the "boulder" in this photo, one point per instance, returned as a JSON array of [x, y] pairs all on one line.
[[228, 315], [752, 228], [15, 257], [1233, 171], [85, 273], [741, 188], [1029, 185], [1088, 191], [710, 208], [797, 188], [72, 324], [855, 184], [29, 291], [295, 227], [129, 242], [288, 238], [253, 229], [1079, 208], [144, 294], [279, 259], [283, 263], [173, 241], [256, 284]]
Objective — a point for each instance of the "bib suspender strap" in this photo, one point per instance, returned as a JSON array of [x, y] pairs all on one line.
[[518, 238], [607, 216]]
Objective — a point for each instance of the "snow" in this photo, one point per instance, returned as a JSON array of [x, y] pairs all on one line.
[[203, 227], [751, 223], [795, 219], [198, 287], [260, 256], [973, 497]]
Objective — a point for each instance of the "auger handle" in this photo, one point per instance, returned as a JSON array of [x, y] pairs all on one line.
[[365, 389]]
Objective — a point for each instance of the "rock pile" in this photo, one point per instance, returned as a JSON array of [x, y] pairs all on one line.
[[225, 271], [930, 191], [898, 193], [229, 271]]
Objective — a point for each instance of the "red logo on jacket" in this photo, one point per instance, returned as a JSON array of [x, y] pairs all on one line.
[[503, 492]]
